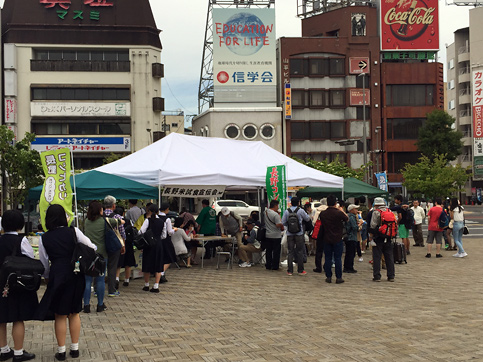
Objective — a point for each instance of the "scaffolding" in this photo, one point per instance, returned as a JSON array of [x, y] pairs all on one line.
[[308, 8]]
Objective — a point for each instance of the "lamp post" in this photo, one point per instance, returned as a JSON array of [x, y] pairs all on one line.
[[378, 151]]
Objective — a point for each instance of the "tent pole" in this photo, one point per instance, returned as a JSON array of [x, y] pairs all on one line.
[[73, 181]]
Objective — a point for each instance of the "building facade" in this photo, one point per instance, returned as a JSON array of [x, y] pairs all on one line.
[[84, 74]]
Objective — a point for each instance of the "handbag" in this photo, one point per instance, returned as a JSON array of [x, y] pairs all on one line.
[[144, 241], [86, 260], [20, 273], [465, 230], [112, 238]]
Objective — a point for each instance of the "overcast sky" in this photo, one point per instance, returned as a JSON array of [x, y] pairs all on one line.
[[183, 25]]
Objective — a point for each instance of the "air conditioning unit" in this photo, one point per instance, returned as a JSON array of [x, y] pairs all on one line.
[[158, 104], [158, 70]]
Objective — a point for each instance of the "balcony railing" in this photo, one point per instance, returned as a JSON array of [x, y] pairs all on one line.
[[465, 70], [79, 66], [465, 113], [465, 91], [463, 49]]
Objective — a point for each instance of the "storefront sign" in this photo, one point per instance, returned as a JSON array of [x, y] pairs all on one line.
[[357, 97], [478, 104], [194, 191], [83, 144], [70, 109], [10, 110], [57, 189], [288, 101], [409, 25], [276, 182], [64, 11]]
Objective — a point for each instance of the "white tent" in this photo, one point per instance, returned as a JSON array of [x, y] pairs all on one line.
[[189, 160]]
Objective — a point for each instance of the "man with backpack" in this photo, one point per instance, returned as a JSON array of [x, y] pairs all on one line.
[[405, 220], [292, 222], [435, 229], [383, 227]]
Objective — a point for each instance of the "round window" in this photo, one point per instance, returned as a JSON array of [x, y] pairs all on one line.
[[267, 131], [250, 131], [232, 131]]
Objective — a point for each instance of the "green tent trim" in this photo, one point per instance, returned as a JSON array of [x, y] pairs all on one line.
[[352, 188]]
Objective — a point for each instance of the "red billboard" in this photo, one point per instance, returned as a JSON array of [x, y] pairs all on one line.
[[408, 25]]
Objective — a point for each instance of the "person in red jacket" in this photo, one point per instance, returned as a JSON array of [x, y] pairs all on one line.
[[434, 231]]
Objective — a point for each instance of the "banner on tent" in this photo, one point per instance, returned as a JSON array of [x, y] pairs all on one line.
[[57, 190], [194, 191], [382, 180], [277, 185]]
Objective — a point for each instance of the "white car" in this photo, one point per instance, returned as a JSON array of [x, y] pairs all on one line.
[[238, 207]]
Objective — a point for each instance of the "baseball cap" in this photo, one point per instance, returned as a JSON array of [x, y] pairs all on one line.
[[225, 211], [352, 206], [379, 201]]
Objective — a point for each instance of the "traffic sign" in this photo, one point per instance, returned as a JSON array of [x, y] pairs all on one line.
[[358, 65]]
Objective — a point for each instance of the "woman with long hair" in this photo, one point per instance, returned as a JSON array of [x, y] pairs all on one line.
[[15, 307], [95, 231], [457, 215], [62, 300]]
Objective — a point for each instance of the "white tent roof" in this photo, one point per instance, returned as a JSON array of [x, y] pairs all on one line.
[[189, 160]]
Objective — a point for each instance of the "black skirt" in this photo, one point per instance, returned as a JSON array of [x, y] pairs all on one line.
[[169, 252], [18, 307], [153, 258], [127, 259], [64, 293]]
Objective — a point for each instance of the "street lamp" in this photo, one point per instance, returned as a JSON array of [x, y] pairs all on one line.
[[364, 130]]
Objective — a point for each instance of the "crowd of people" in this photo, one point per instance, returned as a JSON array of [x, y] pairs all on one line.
[[328, 229]]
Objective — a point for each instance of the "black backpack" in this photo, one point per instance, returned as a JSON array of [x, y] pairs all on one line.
[[293, 221], [19, 273]]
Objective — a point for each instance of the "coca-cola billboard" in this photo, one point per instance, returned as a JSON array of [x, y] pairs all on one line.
[[409, 25]]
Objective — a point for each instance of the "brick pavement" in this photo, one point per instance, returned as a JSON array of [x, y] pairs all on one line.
[[433, 312]]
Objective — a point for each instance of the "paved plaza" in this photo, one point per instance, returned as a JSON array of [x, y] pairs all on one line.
[[433, 312]]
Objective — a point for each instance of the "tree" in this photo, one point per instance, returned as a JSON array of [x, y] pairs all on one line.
[[111, 158], [20, 166], [434, 177], [437, 137], [336, 168]]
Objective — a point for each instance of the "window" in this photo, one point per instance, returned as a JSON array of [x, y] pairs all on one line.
[[81, 127], [319, 98], [114, 94], [337, 66], [316, 130], [298, 130], [232, 131], [451, 64], [451, 104], [337, 98], [397, 160], [83, 55], [297, 66], [318, 66], [267, 131], [298, 98], [404, 128], [250, 131], [88, 163], [363, 81], [319, 130], [410, 95], [360, 112], [337, 130]]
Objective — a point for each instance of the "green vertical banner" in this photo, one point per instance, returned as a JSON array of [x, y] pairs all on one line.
[[277, 185], [57, 189]]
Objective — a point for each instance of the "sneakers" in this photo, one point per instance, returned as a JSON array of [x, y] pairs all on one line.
[[457, 255], [303, 273], [376, 279], [289, 274], [390, 280], [428, 255], [245, 265], [361, 259], [339, 281], [115, 294], [6, 356], [328, 280], [463, 254], [86, 309], [101, 308], [74, 353], [438, 255]]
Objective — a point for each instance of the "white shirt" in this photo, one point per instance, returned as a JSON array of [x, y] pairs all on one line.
[[178, 239], [458, 215], [44, 257], [168, 228], [25, 246], [419, 214]]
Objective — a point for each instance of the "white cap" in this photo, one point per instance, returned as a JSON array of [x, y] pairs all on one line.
[[225, 211], [379, 201], [352, 206]]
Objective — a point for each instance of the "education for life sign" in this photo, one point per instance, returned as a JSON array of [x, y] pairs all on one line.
[[77, 109], [83, 144], [244, 55], [276, 183], [409, 25]]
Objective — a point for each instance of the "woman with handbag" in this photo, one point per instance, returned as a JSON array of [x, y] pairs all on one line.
[[15, 307], [63, 298], [95, 231], [457, 216]]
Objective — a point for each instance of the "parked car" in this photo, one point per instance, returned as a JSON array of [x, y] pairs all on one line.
[[239, 207]]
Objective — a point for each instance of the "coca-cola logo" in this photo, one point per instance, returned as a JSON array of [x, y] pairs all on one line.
[[409, 19]]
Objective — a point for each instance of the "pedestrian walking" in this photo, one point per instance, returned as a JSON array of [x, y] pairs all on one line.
[[457, 215]]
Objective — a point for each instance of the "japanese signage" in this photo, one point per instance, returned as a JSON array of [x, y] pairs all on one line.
[[477, 103], [244, 55], [10, 110], [277, 185], [71, 109], [57, 189], [478, 158], [194, 191], [382, 180], [356, 97], [358, 65], [80, 10], [288, 101], [409, 25], [83, 144]]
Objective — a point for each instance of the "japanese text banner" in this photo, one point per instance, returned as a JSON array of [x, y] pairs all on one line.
[[277, 185], [57, 189], [382, 180], [193, 191]]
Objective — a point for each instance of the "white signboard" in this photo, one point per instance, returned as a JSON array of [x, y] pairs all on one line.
[[244, 55], [194, 191], [10, 110], [83, 144], [78, 109]]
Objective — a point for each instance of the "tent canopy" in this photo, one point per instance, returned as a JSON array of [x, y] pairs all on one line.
[[95, 185], [189, 160], [352, 188]]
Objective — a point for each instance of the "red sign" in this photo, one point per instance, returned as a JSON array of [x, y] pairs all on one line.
[[358, 65], [356, 97], [409, 25]]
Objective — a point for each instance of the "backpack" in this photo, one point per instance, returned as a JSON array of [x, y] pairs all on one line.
[[293, 221], [257, 243], [443, 220], [388, 224], [261, 233], [20, 273], [409, 218]]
